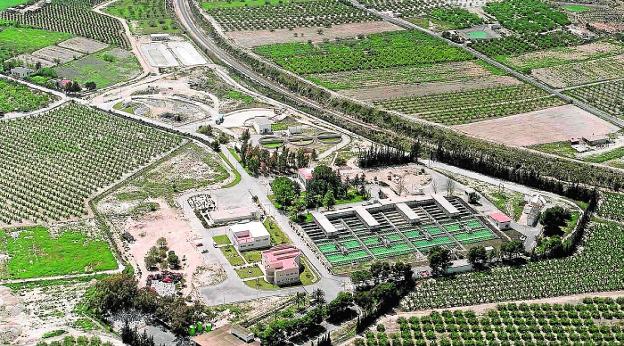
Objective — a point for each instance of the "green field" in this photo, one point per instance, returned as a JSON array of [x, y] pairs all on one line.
[[558, 148], [105, 68], [221, 239], [393, 49], [4, 4], [576, 8], [277, 236], [34, 252], [16, 97], [232, 255], [145, 16], [249, 272], [15, 41]]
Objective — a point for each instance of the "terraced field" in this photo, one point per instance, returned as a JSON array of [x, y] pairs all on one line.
[[51, 164]]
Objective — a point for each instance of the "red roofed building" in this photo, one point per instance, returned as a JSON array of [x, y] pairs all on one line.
[[281, 264], [303, 176], [501, 221]]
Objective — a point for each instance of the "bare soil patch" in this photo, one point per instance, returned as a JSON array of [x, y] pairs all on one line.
[[581, 52], [83, 45], [54, 53], [261, 37], [544, 126], [413, 90], [580, 73]]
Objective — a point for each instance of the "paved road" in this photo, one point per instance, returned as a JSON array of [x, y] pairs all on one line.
[[525, 78]]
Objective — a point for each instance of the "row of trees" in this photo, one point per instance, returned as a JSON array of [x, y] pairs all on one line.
[[385, 156], [440, 257]]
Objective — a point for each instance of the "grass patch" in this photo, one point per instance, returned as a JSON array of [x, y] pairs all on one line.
[[260, 284], [52, 333], [4, 4], [105, 68], [557, 148], [249, 272], [510, 203], [307, 276], [279, 126], [237, 176], [277, 236], [606, 156], [232, 255], [252, 256], [576, 8], [235, 154], [145, 16], [569, 226], [85, 324], [36, 253], [221, 239], [15, 41]]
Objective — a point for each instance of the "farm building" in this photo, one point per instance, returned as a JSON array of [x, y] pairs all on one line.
[[224, 216], [595, 140], [501, 221], [281, 264], [21, 72], [250, 236], [262, 125]]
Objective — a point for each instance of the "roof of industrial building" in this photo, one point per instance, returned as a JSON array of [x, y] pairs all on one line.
[[254, 229]]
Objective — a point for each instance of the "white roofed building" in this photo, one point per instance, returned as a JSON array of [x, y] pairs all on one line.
[[250, 236]]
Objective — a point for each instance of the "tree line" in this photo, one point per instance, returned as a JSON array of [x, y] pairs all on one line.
[[386, 156], [261, 161]]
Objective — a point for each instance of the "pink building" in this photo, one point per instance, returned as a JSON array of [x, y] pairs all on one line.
[[501, 220], [281, 264]]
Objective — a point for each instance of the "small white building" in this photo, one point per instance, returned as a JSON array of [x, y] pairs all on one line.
[[281, 265], [250, 236], [262, 125], [501, 221], [160, 37], [21, 72], [223, 216]]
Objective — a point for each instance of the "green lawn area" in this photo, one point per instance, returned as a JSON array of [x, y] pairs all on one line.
[[576, 8], [307, 277], [252, 256], [510, 203], [277, 236], [232, 255], [221, 239], [249, 272], [260, 284], [237, 176], [234, 154], [557, 148], [569, 227], [36, 253], [4, 4], [356, 198], [14, 41], [105, 68]]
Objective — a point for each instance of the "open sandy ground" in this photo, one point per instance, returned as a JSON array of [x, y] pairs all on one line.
[[414, 90], [544, 126], [261, 37], [168, 223]]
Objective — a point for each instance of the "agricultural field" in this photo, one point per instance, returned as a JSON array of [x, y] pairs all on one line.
[[562, 55], [146, 16], [255, 15], [36, 252], [586, 322], [453, 18], [589, 270], [612, 207], [608, 97], [12, 42], [394, 49], [105, 68], [575, 74], [52, 163], [405, 8], [16, 97], [75, 17], [190, 167], [520, 44], [527, 16], [464, 107]]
